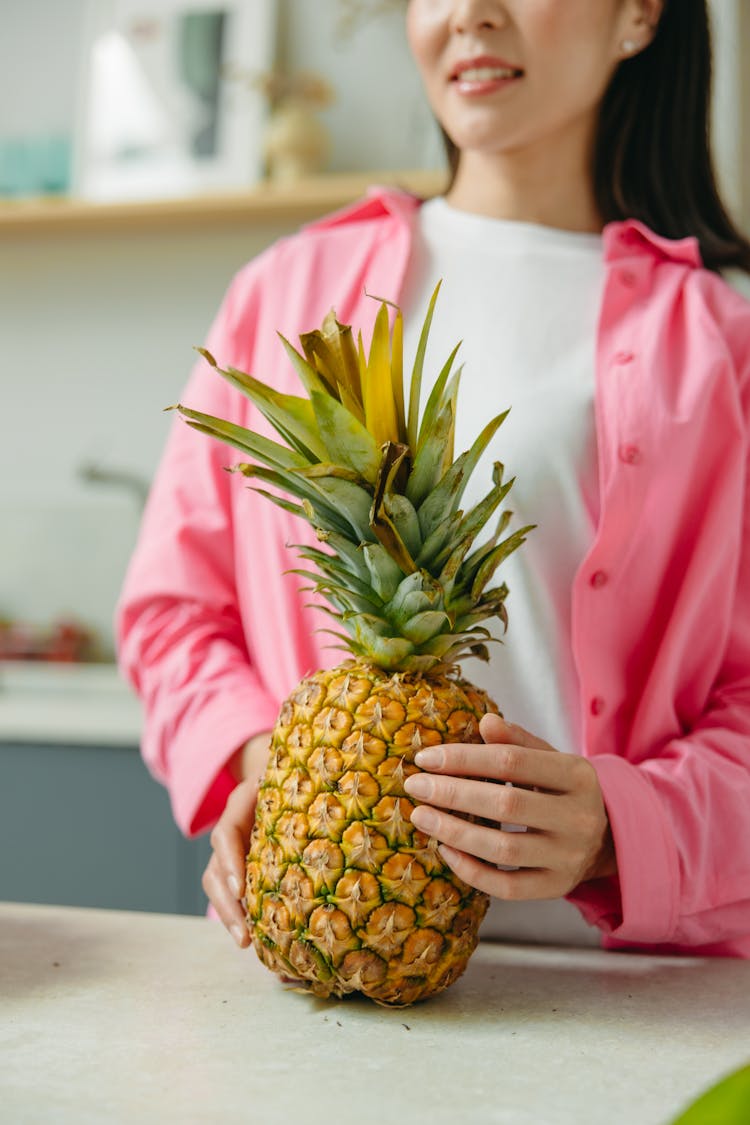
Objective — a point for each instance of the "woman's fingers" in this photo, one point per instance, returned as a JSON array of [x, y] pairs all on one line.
[[533, 883], [555, 796], [486, 799], [228, 906], [489, 843], [494, 728], [522, 765], [224, 877], [231, 835]]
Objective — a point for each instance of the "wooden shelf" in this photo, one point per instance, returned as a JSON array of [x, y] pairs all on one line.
[[265, 202]]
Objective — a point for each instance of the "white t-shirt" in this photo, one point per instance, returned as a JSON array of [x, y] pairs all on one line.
[[524, 299]]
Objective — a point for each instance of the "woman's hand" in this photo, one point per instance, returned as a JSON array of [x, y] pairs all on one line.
[[224, 877], [555, 796]]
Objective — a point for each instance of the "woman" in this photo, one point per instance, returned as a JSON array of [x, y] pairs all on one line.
[[579, 243]]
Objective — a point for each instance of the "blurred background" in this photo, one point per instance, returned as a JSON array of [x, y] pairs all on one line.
[[148, 148]]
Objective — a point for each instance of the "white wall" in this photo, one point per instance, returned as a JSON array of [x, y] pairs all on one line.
[[730, 27], [96, 335], [96, 330]]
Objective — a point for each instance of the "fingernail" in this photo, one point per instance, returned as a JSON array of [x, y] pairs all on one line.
[[234, 886], [238, 934], [419, 785], [432, 756], [424, 819]]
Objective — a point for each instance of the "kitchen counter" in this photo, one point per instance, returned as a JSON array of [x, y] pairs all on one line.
[[73, 704], [124, 1017]]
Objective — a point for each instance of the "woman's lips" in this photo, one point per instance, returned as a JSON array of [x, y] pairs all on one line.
[[483, 76]]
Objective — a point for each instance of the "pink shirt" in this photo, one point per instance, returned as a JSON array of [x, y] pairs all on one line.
[[213, 634]]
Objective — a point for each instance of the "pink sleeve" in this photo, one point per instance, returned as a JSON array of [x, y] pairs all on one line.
[[681, 829], [681, 820], [180, 638]]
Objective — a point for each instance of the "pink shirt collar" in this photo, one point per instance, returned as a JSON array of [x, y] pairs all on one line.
[[621, 239]]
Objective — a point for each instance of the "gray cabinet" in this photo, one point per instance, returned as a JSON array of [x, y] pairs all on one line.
[[88, 826]]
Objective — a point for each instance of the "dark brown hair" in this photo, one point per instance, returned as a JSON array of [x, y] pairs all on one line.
[[651, 158]]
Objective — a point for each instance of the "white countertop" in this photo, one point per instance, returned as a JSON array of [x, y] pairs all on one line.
[[117, 1017], [74, 704]]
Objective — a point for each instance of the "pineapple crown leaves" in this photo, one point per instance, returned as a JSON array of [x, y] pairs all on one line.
[[380, 486]]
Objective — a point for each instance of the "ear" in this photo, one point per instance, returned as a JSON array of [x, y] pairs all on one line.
[[639, 24], [651, 13]]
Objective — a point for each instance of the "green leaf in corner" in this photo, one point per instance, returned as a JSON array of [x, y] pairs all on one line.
[[726, 1103]]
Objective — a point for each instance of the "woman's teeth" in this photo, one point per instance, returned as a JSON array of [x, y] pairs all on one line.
[[486, 73]]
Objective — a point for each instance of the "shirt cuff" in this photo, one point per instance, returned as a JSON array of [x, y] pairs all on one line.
[[639, 904], [201, 781]]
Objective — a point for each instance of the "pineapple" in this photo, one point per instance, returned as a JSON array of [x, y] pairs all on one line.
[[343, 893]]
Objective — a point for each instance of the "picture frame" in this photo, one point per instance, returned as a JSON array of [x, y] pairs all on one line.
[[166, 106]]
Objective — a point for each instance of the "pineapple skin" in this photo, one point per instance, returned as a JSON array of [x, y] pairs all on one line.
[[343, 893]]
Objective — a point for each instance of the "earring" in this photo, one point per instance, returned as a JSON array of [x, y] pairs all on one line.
[[628, 46]]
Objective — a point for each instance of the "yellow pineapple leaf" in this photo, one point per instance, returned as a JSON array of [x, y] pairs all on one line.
[[337, 365], [331, 351], [311, 378], [397, 374], [380, 409], [340, 339], [361, 363], [353, 405]]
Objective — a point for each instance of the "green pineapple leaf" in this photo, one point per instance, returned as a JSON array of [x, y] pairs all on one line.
[[437, 400], [292, 417], [270, 452], [493, 560], [446, 497], [385, 573], [347, 442], [382, 492], [429, 463], [415, 386]]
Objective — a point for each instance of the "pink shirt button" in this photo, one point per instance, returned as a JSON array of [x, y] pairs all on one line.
[[597, 705], [622, 359], [628, 278], [630, 454], [598, 579]]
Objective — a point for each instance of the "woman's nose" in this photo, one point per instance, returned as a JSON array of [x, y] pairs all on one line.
[[470, 15]]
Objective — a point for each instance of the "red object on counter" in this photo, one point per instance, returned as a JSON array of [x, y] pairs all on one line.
[[66, 641]]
